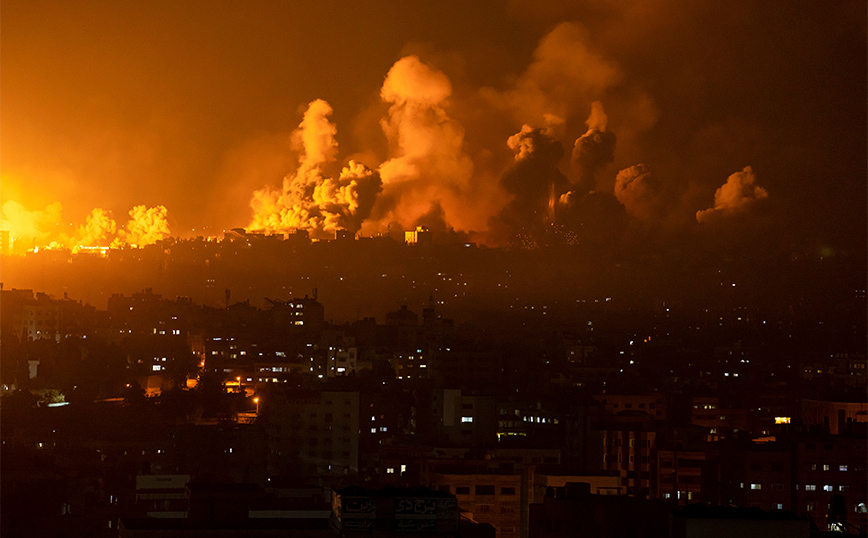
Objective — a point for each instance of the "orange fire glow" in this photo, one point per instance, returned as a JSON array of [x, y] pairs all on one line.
[[33, 229]]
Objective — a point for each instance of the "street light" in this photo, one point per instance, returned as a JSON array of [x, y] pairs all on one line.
[[256, 401]]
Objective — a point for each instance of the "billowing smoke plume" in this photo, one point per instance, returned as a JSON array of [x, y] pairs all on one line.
[[636, 189], [308, 200], [99, 229], [534, 181], [29, 228], [736, 195], [146, 226], [46, 228], [566, 74], [429, 167], [593, 150]]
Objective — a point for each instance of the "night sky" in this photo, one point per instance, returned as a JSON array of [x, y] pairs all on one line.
[[674, 119]]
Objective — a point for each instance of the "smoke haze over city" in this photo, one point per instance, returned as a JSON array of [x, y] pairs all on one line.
[[492, 121], [491, 269]]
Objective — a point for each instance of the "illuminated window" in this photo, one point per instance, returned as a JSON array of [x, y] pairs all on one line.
[[827, 487], [826, 467], [756, 486], [466, 419], [811, 487], [403, 468], [157, 368], [842, 467], [390, 470]]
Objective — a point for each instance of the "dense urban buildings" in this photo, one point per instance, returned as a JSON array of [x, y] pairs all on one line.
[[535, 414], [494, 269]]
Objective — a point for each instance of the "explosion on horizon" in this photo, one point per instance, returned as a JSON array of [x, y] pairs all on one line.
[[432, 173], [31, 230]]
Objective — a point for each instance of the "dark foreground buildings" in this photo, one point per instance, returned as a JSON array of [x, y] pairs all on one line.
[[595, 416]]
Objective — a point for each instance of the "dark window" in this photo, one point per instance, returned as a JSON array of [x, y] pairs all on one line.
[[462, 490], [484, 490], [507, 491]]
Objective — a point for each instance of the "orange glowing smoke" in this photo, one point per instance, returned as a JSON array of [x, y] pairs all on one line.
[[308, 199], [738, 194], [32, 229]]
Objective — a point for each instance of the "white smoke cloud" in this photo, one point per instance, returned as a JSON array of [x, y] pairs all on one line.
[[735, 196], [535, 183], [593, 150], [430, 167], [98, 230], [636, 189], [28, 228], [566, 74], [310, 201], [146, 226]]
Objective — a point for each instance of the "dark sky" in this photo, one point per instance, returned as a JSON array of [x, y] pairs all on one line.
[[192, 105]]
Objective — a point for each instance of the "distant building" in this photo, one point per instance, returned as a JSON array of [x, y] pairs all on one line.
[[653, 403], [833, 416], [628, 445], [162, 496], [38, 319], [312, 432], [485, 496], [299, 313], [344, 235], [698, 521], [600, 483], [462, 419], [420, 236], [573, 511], [394, 511]]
